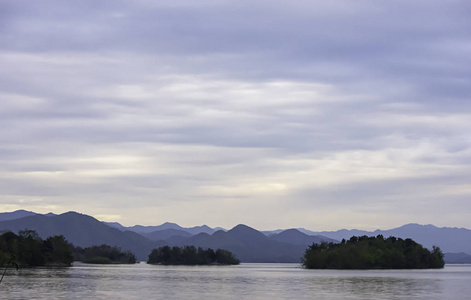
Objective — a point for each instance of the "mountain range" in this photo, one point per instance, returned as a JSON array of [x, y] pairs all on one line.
[[167, 225], [248, 244]]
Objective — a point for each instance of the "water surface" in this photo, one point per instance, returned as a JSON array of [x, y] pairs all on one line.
[[246, 281]]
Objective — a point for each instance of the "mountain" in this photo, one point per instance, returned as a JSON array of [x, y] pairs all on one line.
[[341, 234], [161, 235], [82, 230], [18, 214], [452, 240], [303, 230], [296, 237], [116, 225], [457, 258], [7, 216], [249, 245], [272, 232], [148, 229]]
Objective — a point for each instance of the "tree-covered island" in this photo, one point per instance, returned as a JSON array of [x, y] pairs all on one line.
[[103, 254], [190, 255], [27, 249], [372, 253]]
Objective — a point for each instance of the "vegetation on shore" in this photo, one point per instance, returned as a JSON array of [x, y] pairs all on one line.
[[103, 254], [372, 253], [29, 250], [190, 255]]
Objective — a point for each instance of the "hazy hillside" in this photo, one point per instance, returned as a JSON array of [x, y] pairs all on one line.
[[457, 258]]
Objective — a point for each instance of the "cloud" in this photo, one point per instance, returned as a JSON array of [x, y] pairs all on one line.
[[184, 111]]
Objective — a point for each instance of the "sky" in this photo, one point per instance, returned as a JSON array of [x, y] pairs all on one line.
[[274, 114]]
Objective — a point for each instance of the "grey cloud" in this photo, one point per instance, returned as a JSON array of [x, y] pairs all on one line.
[[286, 87]]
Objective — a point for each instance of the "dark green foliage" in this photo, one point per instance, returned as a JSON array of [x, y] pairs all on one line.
[[190, 255], [103, 254], [98, 260], [225, 257], [58, 249], [30, 250], [372, 253]]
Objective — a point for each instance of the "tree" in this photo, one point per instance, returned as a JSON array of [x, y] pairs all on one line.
[[28, 249], [58, 250]]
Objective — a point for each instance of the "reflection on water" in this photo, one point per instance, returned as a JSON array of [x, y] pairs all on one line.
[[247, 281], [358, 286]]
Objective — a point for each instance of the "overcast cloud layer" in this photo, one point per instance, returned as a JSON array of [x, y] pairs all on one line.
[[275, 114]]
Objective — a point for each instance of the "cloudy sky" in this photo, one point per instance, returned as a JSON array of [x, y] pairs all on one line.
[[275, 114]]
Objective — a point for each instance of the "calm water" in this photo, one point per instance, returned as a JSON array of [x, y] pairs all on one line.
[[246, 281]]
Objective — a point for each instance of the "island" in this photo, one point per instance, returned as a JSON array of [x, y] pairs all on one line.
[[27, 249], [190, 255], [103, 254], [372, 253]]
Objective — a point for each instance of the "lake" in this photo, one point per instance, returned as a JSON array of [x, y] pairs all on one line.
[[245, 281]]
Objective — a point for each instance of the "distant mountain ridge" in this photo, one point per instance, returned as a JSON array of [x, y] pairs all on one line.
[[7, 216], [247, 243], [296, 237], [162, 235], [167, 225], [457, 258]]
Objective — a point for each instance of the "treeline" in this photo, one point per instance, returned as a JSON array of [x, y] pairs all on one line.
[[103, 254], [190, 255], [27, 249], [372, 253]]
